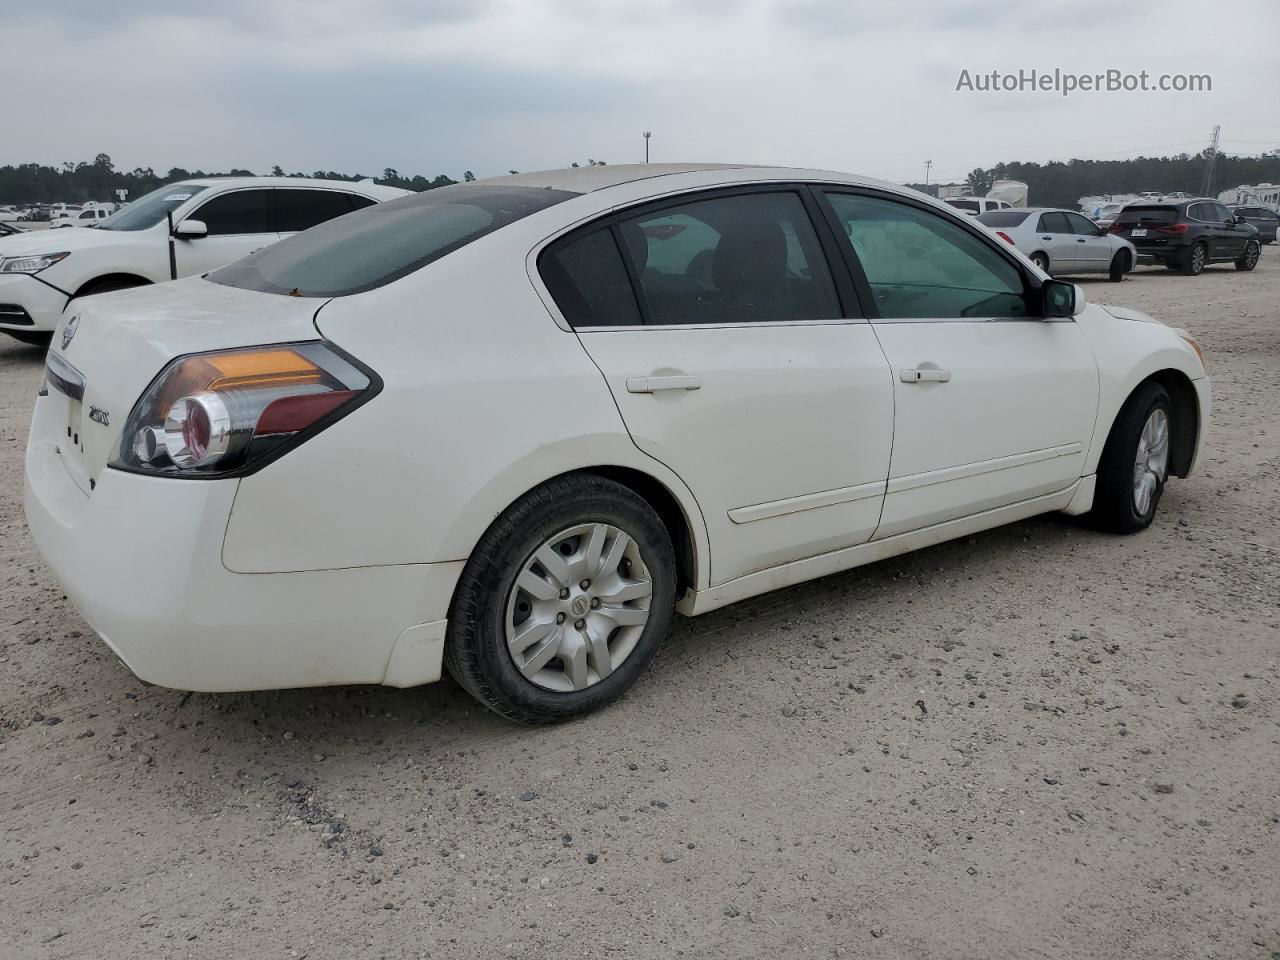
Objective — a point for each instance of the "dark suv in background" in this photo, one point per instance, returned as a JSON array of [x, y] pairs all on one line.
[[1188, 235], [1265, 220]]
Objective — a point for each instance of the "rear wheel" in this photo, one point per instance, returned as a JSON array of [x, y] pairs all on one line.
[[1135, 462], [1194, 260], [1249, 259], [1120, 265], [1041, 261], [563, 601]]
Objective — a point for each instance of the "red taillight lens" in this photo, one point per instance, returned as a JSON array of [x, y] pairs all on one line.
[[1174, 229], [213, 413], [1005, 237], [1116, 228]]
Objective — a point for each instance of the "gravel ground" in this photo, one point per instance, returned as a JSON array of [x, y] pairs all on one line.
[[1041, 742]]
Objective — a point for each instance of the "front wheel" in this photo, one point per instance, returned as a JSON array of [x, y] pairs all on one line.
[[1249, 259], [563, 601], [1135, 462]]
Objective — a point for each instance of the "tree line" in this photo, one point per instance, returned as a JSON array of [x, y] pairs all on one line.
[[1063, 183], [1054, 184]]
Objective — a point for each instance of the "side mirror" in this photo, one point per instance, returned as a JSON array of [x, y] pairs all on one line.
[[191, 230], [1060, 300], [1103, 231], [1237, 218]]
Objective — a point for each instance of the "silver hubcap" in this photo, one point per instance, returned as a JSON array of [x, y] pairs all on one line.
[[1151, 465], [578, 607], [1251, 253], [1197, 259]]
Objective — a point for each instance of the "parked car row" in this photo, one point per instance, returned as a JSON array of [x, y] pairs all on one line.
[[509, 426], [1183, 235]]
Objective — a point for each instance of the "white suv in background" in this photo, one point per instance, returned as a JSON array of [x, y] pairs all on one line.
[[974, 206], [85, 218], [214, 222]]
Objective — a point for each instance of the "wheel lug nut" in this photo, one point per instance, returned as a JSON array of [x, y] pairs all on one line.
[[559, 618], [564, 594], [585, 584], [595, 602], [580, 624]]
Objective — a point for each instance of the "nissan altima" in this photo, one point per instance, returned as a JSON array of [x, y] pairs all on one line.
[[506, 428]]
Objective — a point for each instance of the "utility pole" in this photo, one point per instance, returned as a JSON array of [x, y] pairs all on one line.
[[928, 164], [647, 134], [1212, 160]]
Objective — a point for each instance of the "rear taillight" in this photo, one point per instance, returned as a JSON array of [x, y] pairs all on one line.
[[210, 414], [1174, 229], [1005, 237], [1117, 228]]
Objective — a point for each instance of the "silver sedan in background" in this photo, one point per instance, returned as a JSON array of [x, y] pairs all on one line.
[[1062, 241]]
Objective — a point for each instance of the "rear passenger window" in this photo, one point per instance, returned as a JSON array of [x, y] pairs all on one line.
[[753, 258], [297, 210], [589, 283], [1054, 223], [243, 211]]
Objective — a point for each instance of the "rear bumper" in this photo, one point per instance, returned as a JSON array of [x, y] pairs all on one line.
[[140, 558], [23, 294]]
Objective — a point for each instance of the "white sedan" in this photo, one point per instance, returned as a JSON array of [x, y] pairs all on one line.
[[214, 221], [507, 427], [1062, 241]]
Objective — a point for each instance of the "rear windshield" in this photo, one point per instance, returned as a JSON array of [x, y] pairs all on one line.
[[970, 205], [382, 243], [1003, 218], [1148, 215]]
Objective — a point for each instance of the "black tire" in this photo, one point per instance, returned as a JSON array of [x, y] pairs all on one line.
[[1120, 265], [108, 286], [1113, 499], [1193, 262], [35, 338], [1249, 259], [475, 652], [1041, 261]]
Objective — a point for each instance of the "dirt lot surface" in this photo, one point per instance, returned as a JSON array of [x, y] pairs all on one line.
[[1041, 742]]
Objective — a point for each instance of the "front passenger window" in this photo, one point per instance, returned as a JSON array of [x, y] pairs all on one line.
[[238, 212], [920, 265]]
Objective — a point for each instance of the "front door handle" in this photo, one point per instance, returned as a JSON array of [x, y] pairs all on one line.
[[925, 375], [658, 384]]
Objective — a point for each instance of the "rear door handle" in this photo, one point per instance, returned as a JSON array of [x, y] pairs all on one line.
[[658, 384], [925, 375]]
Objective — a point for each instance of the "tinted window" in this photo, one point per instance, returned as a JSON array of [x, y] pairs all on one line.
[[1079, 225], [1054, 223], [922, 265], [302, 209], [1003, 218], [241, 211], [386, 241], [969, 205], [589, 282], [359, 202], [1141, 215], [752, 258], [149, 210], [1218, 212]]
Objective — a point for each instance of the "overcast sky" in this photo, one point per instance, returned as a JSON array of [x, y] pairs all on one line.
[[490, 85]]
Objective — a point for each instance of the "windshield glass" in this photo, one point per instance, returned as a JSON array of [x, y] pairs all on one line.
[[146, 212], [1147, 215], [971, 205], [382, 243], [1003, 218]]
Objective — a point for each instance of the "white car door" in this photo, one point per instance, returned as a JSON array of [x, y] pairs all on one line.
[[238, 222], [1093, 249], [1053, 235], [738, 359], [993, 405]]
